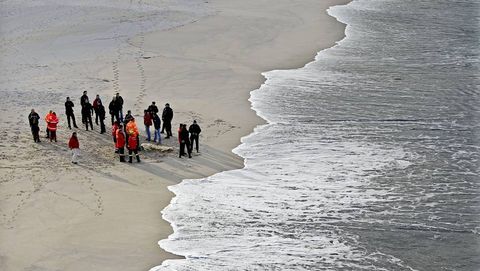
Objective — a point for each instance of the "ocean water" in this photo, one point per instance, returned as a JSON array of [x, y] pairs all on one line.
[[369, 160]]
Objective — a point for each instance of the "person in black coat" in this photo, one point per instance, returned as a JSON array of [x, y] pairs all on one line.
[[184, 142], [83, 101], [167, 117], [152, 108], [101, 116], [87, 112], [69, 112], [113, 109], [194, 130], [119, 106], [34, 120]]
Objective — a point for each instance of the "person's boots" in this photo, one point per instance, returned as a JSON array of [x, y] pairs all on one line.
[[130, 159], [138, 158]]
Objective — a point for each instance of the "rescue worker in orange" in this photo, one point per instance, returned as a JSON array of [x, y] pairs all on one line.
[[132, 139], [52, 126], [48, 116], [120, 142]]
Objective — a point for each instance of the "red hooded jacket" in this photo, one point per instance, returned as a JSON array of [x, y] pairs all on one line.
[[73, 143]]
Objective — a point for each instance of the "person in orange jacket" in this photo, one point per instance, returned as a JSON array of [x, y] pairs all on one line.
[[120, 142], [74, 145], [47, 120], [52, 126]]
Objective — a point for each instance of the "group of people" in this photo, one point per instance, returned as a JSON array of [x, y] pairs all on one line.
[[124, 129]]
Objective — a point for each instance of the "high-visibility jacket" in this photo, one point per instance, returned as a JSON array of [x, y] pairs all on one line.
[[114, 129], [132, 143], [132, 129], [120, 138], [52, 123]]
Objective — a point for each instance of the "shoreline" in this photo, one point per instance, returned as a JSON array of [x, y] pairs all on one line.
[[102, 214], [298, 63]]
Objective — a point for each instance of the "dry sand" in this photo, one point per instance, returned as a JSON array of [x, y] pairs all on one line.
[[104, 215]]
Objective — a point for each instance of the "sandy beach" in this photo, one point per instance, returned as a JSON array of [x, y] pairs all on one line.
[[102, 214]]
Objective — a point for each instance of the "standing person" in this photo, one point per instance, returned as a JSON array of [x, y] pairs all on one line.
[[120, 142], [167, 116], [115, 126], [112, 107], [194, 130], [157, 124], [132, 145], [184, 141], [101, 115], [147, 121], [87, 112], [83, 100], [47, 120], [119, 105], [74, 145], [96, 105], [69, 112], [34, 120], [152, 108], [52, 126]]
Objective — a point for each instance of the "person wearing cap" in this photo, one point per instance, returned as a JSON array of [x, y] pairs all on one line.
[[194, 130], [167, 116]]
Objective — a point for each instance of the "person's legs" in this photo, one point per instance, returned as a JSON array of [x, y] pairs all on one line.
[[147, 131], [129, 155], [74, 122], [96, 117], [68, 121], [181, 150], [75, 154], [102, 127], [138, 156], [48, 133], [121, 153], [121, 115], [189, 150]]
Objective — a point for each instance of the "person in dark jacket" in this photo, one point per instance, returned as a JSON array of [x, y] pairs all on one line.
[[96, 104], [194, 130], [112, 108], [87, 112], [83, 100], [34, 120], [167, 116], [119, 106], [157, 124], [152, 108], [184, 141], [69, 112], [101, 116]]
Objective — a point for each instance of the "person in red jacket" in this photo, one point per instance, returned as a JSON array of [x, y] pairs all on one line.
[[147, 120], [115, 126], [52, 126], [120, 142], [74, 145], [132, 146]]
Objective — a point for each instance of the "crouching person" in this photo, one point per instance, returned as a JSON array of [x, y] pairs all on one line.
[[120, 142], [133, 147]]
